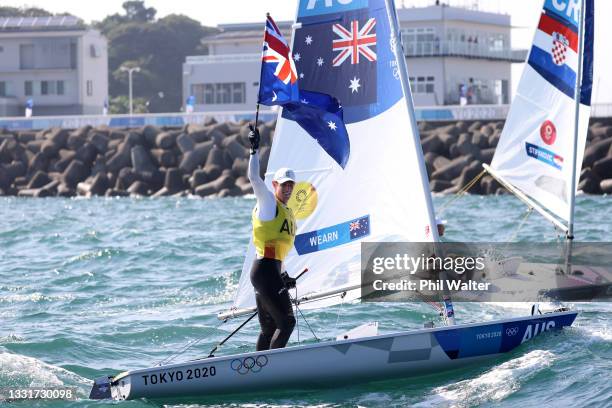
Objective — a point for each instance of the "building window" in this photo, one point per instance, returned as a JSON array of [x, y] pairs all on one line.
[[219, 93], [420, 41], [238, 92], [47, 87], [223, 93], [209, 93], [89, 87], [26, 56], [1, 48], [422, 84], [2, 88], [27, 88]]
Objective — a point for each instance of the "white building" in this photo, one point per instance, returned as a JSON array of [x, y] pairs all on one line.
[[449, 51], [56, 62]]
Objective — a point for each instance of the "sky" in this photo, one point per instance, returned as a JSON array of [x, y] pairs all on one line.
[[524, 15]]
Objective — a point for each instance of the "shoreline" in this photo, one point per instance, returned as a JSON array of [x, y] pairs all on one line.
[[211, 160]]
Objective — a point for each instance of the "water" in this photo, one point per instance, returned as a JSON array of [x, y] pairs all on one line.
[[95, 286]]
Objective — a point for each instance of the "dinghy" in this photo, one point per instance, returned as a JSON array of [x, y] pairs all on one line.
[[349, 49], [540, 151]]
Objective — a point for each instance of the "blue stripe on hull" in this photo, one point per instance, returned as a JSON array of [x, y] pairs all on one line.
[[499, 338]]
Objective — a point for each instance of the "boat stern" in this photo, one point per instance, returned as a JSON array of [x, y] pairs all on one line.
[[107, 387], [101, 388]]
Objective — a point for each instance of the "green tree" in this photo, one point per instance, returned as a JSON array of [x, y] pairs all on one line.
[[135, 10], [158, 47], [121, 105]]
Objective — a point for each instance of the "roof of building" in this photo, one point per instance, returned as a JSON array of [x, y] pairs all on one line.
[[46, 23], [449, 13], [246, 30]]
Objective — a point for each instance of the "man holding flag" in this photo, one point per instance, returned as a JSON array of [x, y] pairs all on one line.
[[274, 225]]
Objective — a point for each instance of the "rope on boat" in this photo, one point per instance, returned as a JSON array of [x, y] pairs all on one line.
[[189, 345], [521, 224], [462, 191], [295, 302]]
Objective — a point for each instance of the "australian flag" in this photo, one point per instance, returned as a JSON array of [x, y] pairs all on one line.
[[360, 227], [339, 56], [319, 114]]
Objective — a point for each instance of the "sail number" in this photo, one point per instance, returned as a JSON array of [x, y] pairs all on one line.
[[179, 375]]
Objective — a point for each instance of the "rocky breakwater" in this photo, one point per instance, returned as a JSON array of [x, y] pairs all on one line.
[[211, 160], [208, 160], [455, 151]]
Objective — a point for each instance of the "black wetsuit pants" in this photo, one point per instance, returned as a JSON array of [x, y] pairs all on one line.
[[273, 304]]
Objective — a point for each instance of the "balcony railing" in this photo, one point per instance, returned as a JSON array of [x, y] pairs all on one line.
[[214, 59], [461, 49]]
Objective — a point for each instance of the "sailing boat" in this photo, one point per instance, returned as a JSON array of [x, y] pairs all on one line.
[[351, 50], [539, 154]]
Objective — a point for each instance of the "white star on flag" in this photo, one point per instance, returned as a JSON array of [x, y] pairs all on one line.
[[308, 40], [354, 85], [301, 75], [297, 56], [331, 125], [320, 61], [304, 101]]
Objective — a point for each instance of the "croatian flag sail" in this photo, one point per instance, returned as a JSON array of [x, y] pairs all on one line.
[[345, 49], [536, 146]]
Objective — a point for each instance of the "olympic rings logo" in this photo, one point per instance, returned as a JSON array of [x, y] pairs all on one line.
[[512, 331], [249, 364]]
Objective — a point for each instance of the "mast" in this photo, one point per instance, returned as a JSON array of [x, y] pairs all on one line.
[[569, 238], [400, 58], [577, 94], [403, 73]]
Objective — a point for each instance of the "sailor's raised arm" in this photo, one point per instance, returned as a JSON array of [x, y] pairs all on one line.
[[266, 203]]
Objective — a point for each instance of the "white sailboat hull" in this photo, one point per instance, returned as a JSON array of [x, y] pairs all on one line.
[[318, 365]]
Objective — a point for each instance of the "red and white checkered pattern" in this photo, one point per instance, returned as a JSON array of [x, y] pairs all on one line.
[[559, 48]]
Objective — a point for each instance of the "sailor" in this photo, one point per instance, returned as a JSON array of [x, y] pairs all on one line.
[[273, 235]]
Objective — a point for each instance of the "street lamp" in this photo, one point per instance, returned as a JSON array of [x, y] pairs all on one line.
[[130, 70]]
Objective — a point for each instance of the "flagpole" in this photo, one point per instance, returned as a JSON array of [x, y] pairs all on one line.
[[260, 72]]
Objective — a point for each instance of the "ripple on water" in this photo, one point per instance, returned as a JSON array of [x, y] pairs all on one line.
[[101, 285]]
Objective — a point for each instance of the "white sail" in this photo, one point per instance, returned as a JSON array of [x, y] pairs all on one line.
[[535, 151], [382, 194]]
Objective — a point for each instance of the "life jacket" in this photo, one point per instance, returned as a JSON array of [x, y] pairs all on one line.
[[274, 239]]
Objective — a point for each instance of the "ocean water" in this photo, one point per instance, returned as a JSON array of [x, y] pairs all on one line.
[[90, 287]]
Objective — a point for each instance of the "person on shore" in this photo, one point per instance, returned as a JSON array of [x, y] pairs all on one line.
[[273, 236]]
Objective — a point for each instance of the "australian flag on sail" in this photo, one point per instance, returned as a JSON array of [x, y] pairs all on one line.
[[339, 56], [319, 114], [345, 49], [554, 54]]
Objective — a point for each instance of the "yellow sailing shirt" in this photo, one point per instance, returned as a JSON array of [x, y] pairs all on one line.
[[274, 239]]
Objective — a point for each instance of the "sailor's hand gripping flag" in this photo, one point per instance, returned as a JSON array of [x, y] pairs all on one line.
[[319, 114]]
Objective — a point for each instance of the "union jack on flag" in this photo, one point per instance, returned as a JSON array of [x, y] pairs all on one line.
[[276, 50], [354, 42], [360, 227]]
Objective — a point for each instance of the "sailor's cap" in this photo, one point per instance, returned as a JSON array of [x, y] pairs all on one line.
[[283, 175]]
